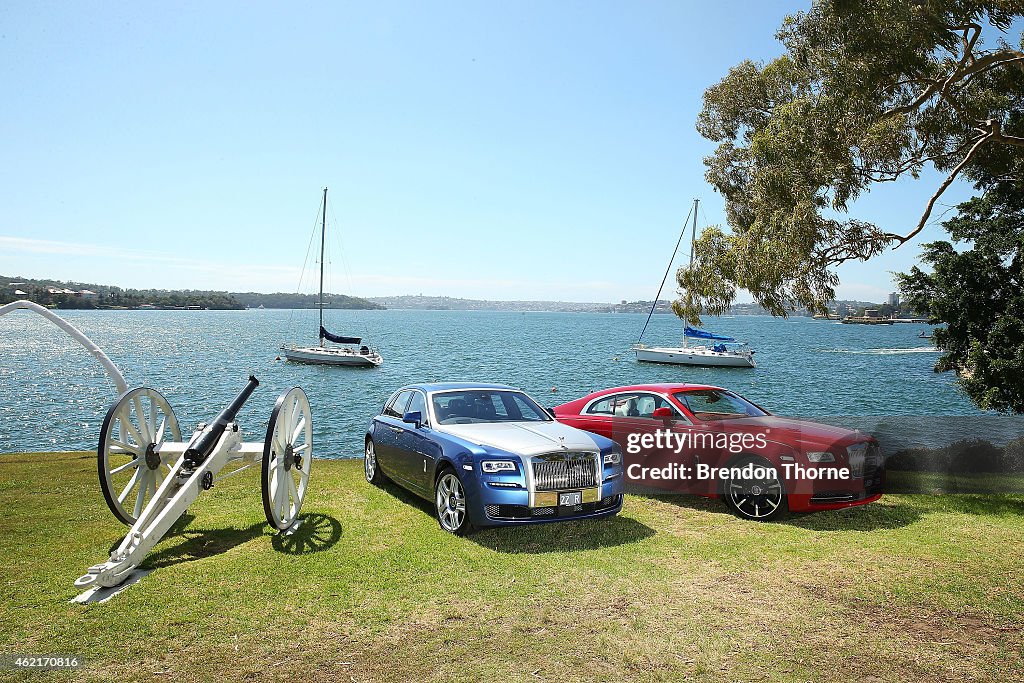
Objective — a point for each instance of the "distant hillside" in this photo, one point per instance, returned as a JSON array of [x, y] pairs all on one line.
[[58, 294], [448, 303], [285, 300]]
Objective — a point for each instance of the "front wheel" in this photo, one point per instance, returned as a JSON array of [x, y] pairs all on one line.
[[371, 468], [450, 502], [760, 497]]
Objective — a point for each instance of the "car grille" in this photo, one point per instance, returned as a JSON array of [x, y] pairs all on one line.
[[559, 471], [874, 470], [837, 497], [524, 512], [863, 459]]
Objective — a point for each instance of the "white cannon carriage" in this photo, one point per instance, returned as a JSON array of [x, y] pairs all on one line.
[[150, 476]]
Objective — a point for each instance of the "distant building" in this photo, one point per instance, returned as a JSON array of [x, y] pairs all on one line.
[[88, 294], [58, 290], [894, 299]]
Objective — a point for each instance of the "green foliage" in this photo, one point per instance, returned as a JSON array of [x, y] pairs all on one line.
[[978, 293], [868, 91], [116, 297], [106, 296]]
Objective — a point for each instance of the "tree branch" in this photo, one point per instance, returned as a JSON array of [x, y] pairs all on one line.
[[992, 133], [988, 62], [882, 176], [1010, 140]]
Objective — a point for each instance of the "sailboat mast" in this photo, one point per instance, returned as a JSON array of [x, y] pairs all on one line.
[[693, 239], [323, 233], [668, 269], [693, 235]]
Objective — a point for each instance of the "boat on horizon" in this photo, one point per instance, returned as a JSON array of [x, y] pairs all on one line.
[[727, 352], [865, 320], [349, 350]]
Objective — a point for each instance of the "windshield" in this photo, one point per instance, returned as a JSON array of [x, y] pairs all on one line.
[[717, 404], [476, 406]]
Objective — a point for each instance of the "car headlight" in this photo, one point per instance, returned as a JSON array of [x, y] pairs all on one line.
[[613, 458], [820, 456], [492, 466]]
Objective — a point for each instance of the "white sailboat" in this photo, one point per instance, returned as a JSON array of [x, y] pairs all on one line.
[[717, 351], [726, 353], [349, 350]]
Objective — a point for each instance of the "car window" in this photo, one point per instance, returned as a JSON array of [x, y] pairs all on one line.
[[633, 404], [397, 407], [717, 404], [526, 409], [617, 404], [646, 404], [417, 404], [475, 406]]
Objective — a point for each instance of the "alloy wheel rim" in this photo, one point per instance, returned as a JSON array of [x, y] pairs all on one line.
[[451, 502], [370, 462], [756, 498]]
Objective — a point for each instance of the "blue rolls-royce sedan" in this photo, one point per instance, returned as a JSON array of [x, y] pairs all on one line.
[[489, 455]]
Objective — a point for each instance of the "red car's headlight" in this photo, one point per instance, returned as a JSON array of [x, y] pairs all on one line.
[[820, 456]]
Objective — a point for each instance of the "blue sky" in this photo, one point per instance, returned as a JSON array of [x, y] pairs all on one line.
[[527, 150]]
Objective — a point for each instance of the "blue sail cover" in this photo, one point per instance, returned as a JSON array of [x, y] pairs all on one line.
[[701, 334], [324, 334]]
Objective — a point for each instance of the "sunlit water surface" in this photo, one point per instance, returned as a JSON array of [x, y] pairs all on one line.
[[53, 395]]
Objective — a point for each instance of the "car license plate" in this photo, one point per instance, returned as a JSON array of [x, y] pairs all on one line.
[[571, 498]]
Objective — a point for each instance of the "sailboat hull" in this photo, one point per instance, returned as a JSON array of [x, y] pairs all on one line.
[[695, 355], [321, 355]]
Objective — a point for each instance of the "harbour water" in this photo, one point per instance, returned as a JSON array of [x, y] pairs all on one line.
[[53, 395]]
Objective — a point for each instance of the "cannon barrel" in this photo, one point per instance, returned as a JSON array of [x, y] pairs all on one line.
[[197, 453]]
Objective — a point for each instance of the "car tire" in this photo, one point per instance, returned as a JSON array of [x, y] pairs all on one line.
[[450, 503], [756, 499], [371, 468]]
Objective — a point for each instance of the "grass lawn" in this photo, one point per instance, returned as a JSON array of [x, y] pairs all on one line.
[[911, 588]]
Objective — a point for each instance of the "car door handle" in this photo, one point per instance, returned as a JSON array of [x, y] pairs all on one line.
[[397, 430]]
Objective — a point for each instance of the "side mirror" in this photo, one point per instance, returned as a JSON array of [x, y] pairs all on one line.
[[551, 412], [662, 413], [415, 417]]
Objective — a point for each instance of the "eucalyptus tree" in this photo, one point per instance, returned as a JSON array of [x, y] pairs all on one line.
[[866, 92], [974, 286]]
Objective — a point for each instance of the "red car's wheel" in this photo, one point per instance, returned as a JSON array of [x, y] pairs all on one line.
[[760, 497]]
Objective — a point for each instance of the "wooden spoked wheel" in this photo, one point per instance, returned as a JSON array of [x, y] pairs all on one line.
[[287, 458], [130, 465]]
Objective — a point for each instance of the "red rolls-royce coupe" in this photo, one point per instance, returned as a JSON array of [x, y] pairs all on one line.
[[706, 440]]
